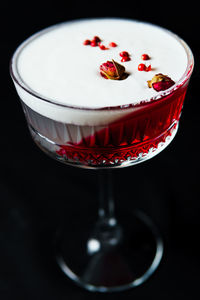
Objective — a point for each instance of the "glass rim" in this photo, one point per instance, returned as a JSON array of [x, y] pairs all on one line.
[[160, 95]]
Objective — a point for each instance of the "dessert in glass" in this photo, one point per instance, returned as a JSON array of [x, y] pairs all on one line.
[[102, 94]]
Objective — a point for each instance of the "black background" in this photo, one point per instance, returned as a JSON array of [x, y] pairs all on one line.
[[36, 191]]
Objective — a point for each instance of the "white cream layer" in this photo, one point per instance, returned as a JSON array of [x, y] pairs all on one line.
[[57, 66]]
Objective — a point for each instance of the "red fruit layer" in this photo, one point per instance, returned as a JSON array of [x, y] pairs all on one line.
[[135, 133], [109, 156]]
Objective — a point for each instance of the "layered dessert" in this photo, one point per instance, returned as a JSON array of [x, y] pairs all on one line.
[[102, 92]]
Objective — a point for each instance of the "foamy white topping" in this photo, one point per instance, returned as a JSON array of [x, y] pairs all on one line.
[[56, 65]]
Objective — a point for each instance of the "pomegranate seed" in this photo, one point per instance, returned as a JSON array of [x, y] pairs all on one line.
[[145, 57], [148, 68], [125, 58], [112, 44], [124, 54], [96, 39], [141, 67], [102, 47], [93, 43], [87, 42]]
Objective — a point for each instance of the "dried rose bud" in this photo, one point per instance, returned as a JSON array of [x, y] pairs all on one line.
[[162, 85], [160, 82], [112, 70]]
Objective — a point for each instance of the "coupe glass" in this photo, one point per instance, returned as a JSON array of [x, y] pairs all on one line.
[[119, 252]]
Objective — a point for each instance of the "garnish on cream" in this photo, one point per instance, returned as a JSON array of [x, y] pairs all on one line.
[[160, 82], [112, 70]]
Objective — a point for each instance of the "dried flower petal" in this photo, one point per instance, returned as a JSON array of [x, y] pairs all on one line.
[[160, 82], [112, 70]]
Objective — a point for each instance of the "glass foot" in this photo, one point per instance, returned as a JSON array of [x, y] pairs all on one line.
[[120, 258]]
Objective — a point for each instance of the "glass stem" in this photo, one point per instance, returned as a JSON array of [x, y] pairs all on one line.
[[106, 233], [106, 210]]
